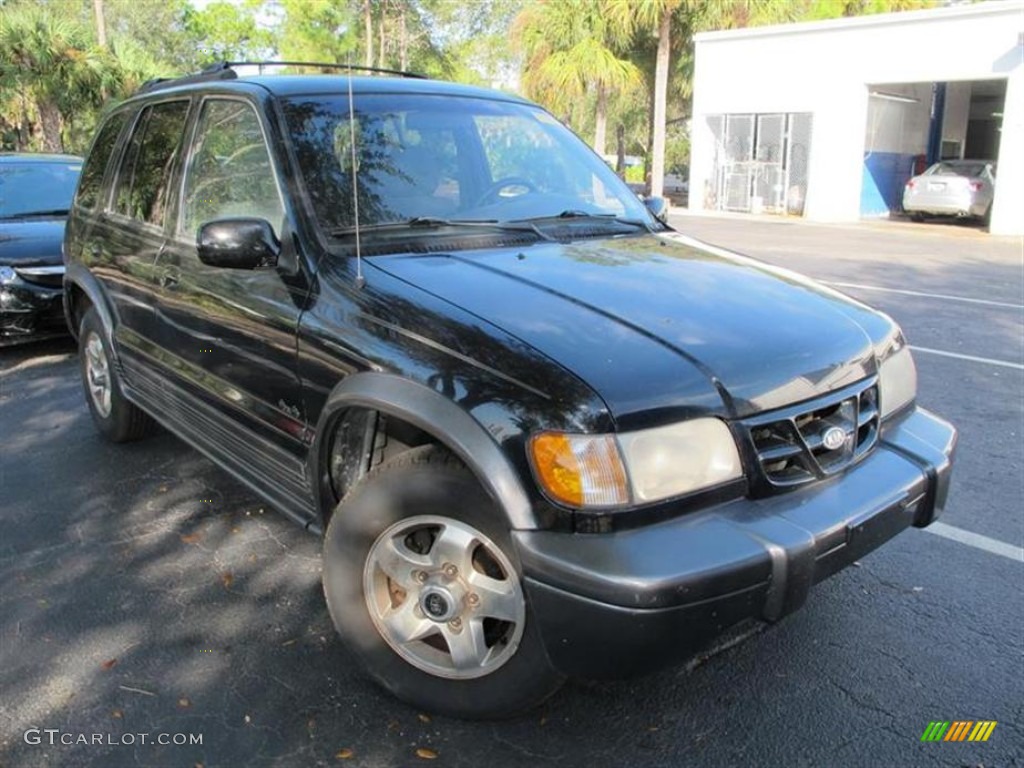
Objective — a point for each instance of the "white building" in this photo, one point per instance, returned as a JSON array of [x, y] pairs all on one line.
[[829, 119]]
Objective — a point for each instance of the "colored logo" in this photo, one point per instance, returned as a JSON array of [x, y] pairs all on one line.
[[958, 730]]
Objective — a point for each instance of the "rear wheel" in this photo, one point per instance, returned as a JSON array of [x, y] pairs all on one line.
[[118, 419], [423, 585], [917, 217]]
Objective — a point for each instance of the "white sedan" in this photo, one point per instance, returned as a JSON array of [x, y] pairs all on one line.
[[951, 188]]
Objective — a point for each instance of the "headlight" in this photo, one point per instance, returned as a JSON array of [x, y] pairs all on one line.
[[897, 377], [641, 467], [7, 275], [680, 458]]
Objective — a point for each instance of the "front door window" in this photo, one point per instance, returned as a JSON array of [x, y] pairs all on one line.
[[231, 174]]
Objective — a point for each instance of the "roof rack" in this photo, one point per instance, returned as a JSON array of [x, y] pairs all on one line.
[[220, 71], [224, 70], [325, 65]]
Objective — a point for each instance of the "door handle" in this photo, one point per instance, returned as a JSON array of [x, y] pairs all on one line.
[[169, 278]]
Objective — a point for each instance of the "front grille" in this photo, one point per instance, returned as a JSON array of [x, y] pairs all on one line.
[[801, 444]]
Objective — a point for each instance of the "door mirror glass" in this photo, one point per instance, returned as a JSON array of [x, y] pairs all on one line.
[[658, 206], [238, 244]]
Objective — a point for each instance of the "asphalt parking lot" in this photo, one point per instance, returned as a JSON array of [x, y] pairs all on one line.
[[144, 591]]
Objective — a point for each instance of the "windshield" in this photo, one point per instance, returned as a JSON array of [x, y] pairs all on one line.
[[971, 170], [448, 158], [37, 188]]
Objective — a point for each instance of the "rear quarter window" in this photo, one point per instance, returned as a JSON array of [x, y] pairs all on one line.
[[99, 158], [147, 168]]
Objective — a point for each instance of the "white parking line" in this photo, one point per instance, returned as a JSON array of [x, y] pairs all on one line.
[[977, 541], [971, 358], [946, 296]]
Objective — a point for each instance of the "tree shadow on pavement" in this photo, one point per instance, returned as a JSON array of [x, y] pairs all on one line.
[[147, 592]]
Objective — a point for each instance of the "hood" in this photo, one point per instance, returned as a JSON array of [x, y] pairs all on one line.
[[31, 241], [662, 322]]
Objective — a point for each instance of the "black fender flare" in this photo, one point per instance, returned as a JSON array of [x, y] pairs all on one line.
[[78, 276], [435, 414]]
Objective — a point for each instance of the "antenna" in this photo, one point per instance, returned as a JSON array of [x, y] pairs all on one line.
[[360, 280]]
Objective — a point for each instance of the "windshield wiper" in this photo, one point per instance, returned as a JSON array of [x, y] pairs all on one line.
[[431, 222], [572, 213]]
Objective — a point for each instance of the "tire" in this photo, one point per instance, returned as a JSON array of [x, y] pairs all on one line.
[[117, 419], [399, 626], [917, 217]]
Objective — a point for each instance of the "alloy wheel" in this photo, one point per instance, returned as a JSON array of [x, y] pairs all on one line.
[[444, 597], [97, 372]]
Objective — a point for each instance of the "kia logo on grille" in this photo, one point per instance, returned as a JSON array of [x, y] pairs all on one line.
[[833, 438]]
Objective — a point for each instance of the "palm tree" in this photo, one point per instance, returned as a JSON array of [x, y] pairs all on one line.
[[570, 48], [674, 22], [101, 23], [17, 114], [51, 60], [656, 16], [133, 66]]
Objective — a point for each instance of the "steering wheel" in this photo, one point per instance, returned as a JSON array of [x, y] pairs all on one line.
[[491, 193]]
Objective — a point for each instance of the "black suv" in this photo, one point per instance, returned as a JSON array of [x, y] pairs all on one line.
[[542, 433]]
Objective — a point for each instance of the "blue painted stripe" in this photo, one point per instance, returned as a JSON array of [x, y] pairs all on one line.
[[885, 174]]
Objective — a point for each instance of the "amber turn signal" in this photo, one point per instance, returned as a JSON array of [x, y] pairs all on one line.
[[580, 470]]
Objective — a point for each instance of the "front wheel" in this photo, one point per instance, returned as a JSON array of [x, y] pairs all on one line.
[[118, 419], [424, 587]]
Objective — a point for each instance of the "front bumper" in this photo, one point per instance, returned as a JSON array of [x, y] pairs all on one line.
[[611, 605], [30, 312]]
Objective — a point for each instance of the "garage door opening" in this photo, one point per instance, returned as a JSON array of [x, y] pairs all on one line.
[[911, 126], [760, 162]]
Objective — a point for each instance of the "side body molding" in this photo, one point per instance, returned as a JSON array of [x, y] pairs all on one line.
[[435, 414]]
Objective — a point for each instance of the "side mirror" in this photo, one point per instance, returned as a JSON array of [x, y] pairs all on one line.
[[238, 244], [659, 207]]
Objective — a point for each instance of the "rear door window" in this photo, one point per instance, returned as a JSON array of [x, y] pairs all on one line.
[[145, 177]]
